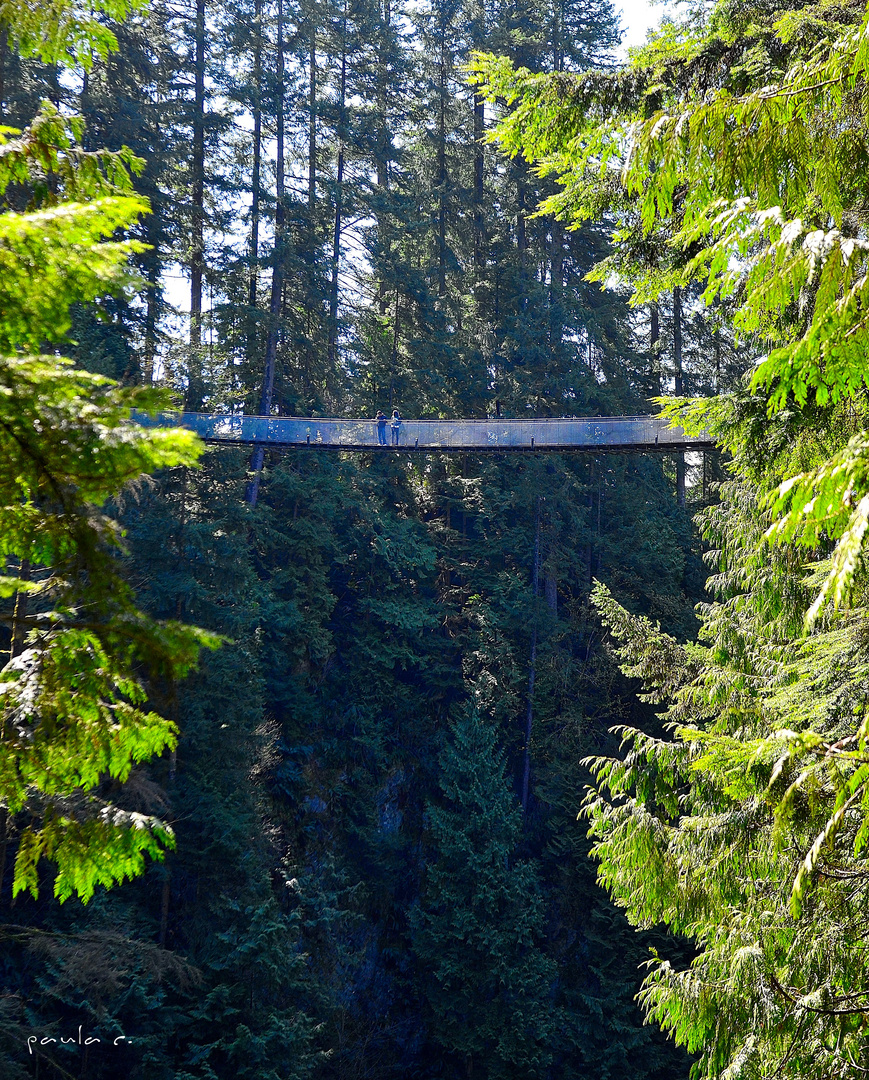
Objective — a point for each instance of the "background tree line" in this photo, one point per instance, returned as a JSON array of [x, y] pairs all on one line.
[[357, 888]]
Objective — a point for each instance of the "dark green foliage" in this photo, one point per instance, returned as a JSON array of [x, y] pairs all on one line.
[[337, 832], [477, 931]]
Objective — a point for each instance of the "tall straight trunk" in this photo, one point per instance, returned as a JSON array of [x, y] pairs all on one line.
[[4, 57], [393, 357], [383, 147], [312, 315], [19, 612], [556, 286], [557, 55], [677, 388], [312, 124], [83, 108], [654, 345], [149, 344], [521, 240], [589, 549], [278, 269], [550, 589], [16, 646], [253, 268], [479, 219], [442, 167], [339, 193], [477, 32], [529, 711], [195, 389]]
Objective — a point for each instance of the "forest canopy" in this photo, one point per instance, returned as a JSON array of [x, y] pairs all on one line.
[[732, 155], [370, 791]]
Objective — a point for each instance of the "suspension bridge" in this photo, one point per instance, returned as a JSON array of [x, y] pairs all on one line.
[[591, 434]]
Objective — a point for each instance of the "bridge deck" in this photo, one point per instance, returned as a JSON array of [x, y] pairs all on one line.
[[589, 434]]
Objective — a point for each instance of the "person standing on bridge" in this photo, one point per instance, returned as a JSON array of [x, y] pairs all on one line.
[[381, 427], [396, 425]]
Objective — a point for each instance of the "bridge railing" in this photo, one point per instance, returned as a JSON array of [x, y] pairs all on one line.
[[574, 433]]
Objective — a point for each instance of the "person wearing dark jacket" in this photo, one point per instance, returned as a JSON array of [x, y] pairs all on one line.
[[381, 428]]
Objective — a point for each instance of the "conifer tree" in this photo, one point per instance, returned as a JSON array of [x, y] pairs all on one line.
[[477, 930], [741, 826], [74, 703]]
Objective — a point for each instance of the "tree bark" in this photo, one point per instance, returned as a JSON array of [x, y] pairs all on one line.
[[442, 164], [149, 343], [339, 183], [550, 587], [521, 241], [312, 123], [4, 53], [529, 713], [253, 268], [556, 286], [383, 149], [479, 218], [19, 612], [195, 389], [677, 388], [277, 284]]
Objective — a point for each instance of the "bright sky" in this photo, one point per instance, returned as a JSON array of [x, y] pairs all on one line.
[[637, 17]]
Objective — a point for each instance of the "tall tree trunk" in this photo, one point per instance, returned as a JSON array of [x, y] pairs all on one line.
[[529, 712], [383, 149], [393, 356], [149, 343], [557, 55], [654, 347], [550, 588], [442, 164], [4, 56], [477, 33], [312, 319], [312, 123], [589, 550], [677, 388], [195, 389], [339, 192], [16, 646], [19, 612], [521, 240], [479, 218], [253, 268], [277, 287], [556, 286]]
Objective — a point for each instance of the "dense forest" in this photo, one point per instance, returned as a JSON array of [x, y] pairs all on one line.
[[311, 761]]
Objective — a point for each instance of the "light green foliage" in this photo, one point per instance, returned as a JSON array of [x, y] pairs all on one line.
[[740, 143], [746, 828], [74, 707], [64, 30]]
